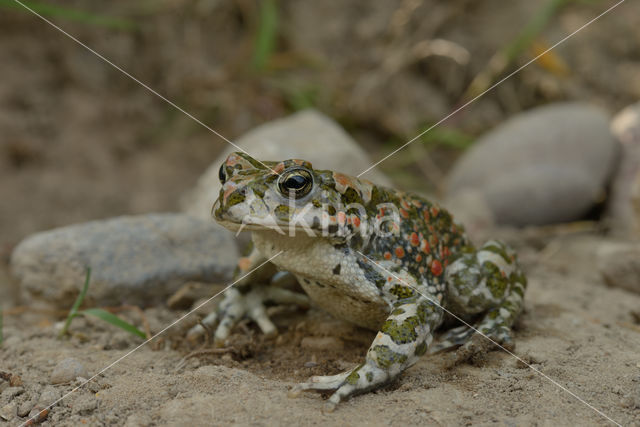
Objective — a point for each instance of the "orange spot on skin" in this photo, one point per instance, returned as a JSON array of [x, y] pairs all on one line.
[[389, 279], [425, 213], [425, 247], [342, 218], [446, 252], [279, 167], [342, 180], [434, 211], [399, 252], [404, 213], [421, 270], [416, 203], [418, 258], [436, 267], [414, 239], [404, 204], [244, 263], [387, 255], [356, 221]]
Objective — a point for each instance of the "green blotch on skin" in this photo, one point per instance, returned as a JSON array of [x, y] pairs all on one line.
[[401, 292], [385, 357], [397, 312], [421, 348], [369, 376], [351, 196], [353, 377], [403, 332], [498, 250], [496, 282], [331, 210], [235, 198], [282, 212]]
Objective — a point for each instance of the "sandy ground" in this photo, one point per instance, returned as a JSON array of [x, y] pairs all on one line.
[[580, 334], [79, 141]]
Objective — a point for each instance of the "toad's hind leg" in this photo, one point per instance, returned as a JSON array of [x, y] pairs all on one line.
[[402, 339], [488, 281]]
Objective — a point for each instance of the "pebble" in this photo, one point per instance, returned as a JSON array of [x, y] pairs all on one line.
[[48, 396], [12, 392], [8, 411], [25, 407], [68, 370], [619, 264], [547, 165], [85, 404], [307, 135], [134, 259], [623, 208]]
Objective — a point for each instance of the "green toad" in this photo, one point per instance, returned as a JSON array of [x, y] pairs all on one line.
[[380, 258]]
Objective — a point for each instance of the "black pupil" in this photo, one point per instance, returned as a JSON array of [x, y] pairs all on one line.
[[295, 182]]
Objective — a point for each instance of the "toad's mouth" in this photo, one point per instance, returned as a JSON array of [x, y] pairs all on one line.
[[285, 229]]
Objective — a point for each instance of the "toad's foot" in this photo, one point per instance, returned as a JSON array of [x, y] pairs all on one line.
[[355, 381], [237, 306], [474, 342]]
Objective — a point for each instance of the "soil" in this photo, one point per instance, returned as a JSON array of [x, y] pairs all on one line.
[[80, 141]]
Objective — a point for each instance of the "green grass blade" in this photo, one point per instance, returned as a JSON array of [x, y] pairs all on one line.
[[76, 305], [54, 11], [114, 320], [267, 33]]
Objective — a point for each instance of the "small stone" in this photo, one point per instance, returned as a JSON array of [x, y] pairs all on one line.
[[619, 264], [38, 415], [85, 404], [49, 396], [548, 165], [68, 370], [310, 364], [321, 343], [8, 411], [134, 259], [25, 407], [12, 392]]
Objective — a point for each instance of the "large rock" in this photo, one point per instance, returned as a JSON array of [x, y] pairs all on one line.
[[133, 259], [547, 165], [623, 210], [307, 135]]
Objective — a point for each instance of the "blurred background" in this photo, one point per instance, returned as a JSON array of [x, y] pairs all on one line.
[[79, 140]]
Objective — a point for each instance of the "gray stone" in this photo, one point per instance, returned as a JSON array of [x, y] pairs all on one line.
[[49, 396], [84, 404], [68, 370], [11, 392], [306, 135], [8, 411], [133, 259], [623, 209], [547, 165], [619, 264]]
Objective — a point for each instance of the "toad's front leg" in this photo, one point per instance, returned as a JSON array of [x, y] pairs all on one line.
[[402, 339]]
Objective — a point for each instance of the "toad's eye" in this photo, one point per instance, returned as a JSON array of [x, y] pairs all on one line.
[[222, 174], [298, 181]]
